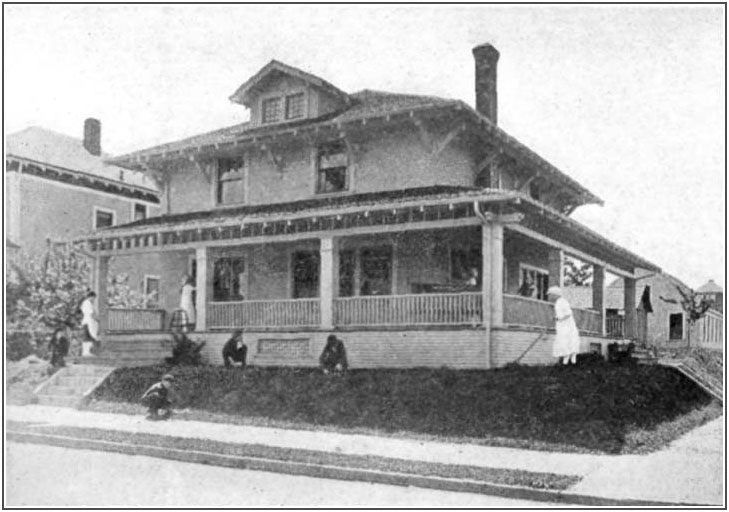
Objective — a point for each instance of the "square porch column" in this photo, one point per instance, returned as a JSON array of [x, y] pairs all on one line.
[[201, 288], [598, 294], [102, 302], [556, 267], [486, 256], [328, 279], [629, 307], [497, 274]]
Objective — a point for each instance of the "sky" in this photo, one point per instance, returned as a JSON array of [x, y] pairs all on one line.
[[627, 100]]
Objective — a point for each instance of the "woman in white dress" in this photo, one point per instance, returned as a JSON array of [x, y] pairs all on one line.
[[567, 340], [186, 302], [90, 325]]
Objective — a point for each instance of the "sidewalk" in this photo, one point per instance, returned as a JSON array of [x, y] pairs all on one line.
[[690, 471]]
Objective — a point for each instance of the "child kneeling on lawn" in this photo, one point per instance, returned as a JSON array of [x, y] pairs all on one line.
[[156, 398]]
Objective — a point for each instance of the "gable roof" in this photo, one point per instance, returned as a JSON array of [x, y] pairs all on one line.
[[47, 147], [243, 93]]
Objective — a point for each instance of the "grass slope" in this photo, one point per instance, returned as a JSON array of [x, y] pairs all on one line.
[[595, 408]]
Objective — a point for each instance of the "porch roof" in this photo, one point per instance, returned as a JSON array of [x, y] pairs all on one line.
[[387, 208]]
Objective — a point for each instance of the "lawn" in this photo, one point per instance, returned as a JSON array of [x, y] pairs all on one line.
[[593, 408]]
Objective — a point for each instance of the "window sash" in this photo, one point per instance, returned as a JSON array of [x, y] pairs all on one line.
[[295, 106], [271, 110]]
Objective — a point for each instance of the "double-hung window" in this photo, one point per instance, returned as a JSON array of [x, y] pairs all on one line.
[[283, 108], [231, 181], [533, 282], [332, 168], [271, 110], [295, 106]]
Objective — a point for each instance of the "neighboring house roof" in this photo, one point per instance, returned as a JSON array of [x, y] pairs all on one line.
[[242, 94], [710, 287], [47, 147]]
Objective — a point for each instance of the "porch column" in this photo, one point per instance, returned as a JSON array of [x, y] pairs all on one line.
[[598, 294], [556, 266], [497, 274], [100, 279], [329, 257], [201, 288], [629, 306], [486, 255]]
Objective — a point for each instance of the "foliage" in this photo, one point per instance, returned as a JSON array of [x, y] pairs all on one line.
[[121, 295], [18, 344], [577, 273], [184, 350], [695, 306], [589, 409]]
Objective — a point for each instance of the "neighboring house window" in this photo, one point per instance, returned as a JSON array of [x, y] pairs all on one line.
[[140, 211], [151, 291], [376, 273], [230, 280], [295, 106], [539, 279], [231, 181], [331, 168], [103, 218], [271, 110], [675, 326]]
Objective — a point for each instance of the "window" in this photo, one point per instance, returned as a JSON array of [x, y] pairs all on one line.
[[231, 181], [305, 270], [533, 282], [230, 280], [466, 263], [103, 218], [376, 278], [295, 106], [151, 291], [139, 211], [675, 326], [332, 168], [271, 110], [347, 265]]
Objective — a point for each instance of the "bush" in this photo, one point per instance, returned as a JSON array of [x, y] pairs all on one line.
[[21, 344]]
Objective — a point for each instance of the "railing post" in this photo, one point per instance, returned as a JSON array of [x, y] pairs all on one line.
[[201, 288], [329, 258], [102, 306], [629, 307], [598, 294], [497, 274]]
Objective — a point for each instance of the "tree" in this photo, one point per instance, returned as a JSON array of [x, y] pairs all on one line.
[[577, 273], [121, 295], [695, 306]]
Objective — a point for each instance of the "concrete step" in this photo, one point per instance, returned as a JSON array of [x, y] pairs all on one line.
[[58, 400]]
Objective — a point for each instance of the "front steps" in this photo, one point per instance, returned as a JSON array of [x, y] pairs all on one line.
[[69, 386], [132, 349]]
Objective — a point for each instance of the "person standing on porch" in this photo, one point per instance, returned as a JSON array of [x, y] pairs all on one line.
[[567, 341], [90, 325], [186, 301]]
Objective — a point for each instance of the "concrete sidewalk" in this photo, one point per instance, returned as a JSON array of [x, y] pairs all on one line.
[[691, 470]]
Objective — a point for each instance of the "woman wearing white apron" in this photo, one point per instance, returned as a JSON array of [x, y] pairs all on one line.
[[186, 302], [567, 341], [90, 325]]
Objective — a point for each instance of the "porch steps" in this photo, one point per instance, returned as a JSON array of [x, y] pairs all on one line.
[[69, 386], [133, 349], [693, 370], [643, 356]]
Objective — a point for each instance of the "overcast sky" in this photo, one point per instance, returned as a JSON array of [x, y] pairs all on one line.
[[628, 100]]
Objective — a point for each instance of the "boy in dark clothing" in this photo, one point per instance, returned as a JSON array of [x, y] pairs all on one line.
[[334, 356], [157, 397], [59, 344], [235, 351]]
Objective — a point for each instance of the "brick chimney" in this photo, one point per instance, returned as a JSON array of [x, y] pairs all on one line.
[[486, 58], [92, 136]]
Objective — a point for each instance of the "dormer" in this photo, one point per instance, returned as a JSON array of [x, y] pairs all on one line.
[[280, 93]]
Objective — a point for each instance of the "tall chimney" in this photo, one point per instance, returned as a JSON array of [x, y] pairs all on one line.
[[486, 57], [92, 136]]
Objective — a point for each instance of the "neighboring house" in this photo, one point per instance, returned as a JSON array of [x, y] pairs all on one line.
[[714, 293], [406, 223], [59, 188]]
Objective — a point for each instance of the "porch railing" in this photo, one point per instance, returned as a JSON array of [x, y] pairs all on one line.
[[121, 319], [525, 311], [412, 309], [614, 326], [587, 320], [264, 313]]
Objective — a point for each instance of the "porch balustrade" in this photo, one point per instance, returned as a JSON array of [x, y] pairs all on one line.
[[614, 326], [136, 319], [587, 320], [264, 313], [526, 311], [413, 309]]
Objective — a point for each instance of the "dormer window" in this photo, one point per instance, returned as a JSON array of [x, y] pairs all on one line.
[[283, 108], [332, 173], [295, 106], [271, 110]]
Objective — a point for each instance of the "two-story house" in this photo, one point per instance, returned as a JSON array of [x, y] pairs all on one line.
[[405, 223]]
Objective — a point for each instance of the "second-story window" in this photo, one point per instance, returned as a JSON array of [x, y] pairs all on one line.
[[231, 181], [295, 106], [332, 168], [140, 211], [271, 110]]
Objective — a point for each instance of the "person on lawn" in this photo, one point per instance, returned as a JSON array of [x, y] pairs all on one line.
[[59, 345], [157, 398], [567, 341], [235, 351], [334, 357]]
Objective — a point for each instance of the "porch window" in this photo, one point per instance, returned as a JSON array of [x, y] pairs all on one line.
[[466, 264], [295, 106], [231, 181], [305, 271], [151, 291], [230, 280], [332, 168], [376, 272], [533, 282], [271, 110], [347, 265], [675, 326]]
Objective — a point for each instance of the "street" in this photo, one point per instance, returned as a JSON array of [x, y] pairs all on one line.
[[46, 476]]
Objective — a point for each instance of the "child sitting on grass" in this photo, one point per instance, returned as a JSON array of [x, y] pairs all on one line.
[[156, 399]]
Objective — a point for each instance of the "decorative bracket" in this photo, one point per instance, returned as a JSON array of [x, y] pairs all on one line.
[[205, 167], [274, 159], [430, 141]]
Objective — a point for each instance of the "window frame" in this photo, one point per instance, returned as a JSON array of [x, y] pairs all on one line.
[[135, 204], [347, 169], [281, 106], [145, 280], [538, 270], [243, 285], [304, 105], [683, 326], [218, 181], [101, 209]]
